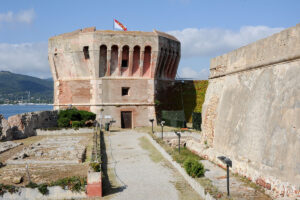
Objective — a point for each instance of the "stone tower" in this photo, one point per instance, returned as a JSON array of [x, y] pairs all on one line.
[[119, 72]]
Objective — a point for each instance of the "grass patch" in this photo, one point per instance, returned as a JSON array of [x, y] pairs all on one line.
[[75, 183], [178, 157], [154, 154], [210, 188], [249, 183], [8, 188]]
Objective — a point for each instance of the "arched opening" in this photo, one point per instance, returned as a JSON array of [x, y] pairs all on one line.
[[147, 61], [114, 60], [125, 56], [136, 61], [102, 60]]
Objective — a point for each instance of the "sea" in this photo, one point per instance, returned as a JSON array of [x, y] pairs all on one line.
[[8, 110]]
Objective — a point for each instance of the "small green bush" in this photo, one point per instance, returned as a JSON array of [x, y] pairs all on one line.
[[194, 168], [95, 166], [43, 188], [85, 115], [77, 124], [78, 118], [63, 122]]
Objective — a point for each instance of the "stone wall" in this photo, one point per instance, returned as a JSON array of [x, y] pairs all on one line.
[[5, 130], [252, 110], [25, 125]]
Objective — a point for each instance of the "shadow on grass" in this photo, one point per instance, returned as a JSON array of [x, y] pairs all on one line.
[[107, 186]]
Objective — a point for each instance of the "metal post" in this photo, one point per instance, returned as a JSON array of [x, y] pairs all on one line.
[[228, 180], [162, 132], [179, 144], [152, 127]]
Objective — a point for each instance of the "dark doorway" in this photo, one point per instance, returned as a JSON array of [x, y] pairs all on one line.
[[126, 119]]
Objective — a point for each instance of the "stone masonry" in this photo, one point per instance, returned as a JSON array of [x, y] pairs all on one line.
[[25, 125], [252, 112], [112, 70]]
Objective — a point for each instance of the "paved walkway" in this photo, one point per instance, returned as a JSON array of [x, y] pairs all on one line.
[[136, 170]]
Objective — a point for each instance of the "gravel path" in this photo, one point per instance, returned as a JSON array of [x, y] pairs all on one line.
[[142, 172]]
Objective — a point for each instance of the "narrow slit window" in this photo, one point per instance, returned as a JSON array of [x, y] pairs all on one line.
[[125, 91], [86, 52]]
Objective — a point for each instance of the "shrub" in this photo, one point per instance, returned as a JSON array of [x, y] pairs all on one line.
[[194, 168], [43, 188], [78, 117], [77, 124], [63, 122], [95, 166], [86, 116]]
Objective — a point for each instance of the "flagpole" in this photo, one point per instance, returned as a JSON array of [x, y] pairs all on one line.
[[113, 24]]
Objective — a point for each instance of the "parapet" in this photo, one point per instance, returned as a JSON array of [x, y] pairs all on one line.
[[280, 47]]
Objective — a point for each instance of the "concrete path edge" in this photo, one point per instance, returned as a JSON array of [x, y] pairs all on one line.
[[193, 183]]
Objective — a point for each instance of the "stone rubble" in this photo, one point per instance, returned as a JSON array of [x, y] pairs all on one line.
[[5, 146], [51, 150]]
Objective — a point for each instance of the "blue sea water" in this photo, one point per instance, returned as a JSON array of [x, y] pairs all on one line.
[[10, 110]]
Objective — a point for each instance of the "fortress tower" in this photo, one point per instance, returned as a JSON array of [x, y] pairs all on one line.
[[119, 72]]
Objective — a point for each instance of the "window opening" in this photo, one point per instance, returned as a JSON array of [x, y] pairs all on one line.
[[86, 52], [125, 91]]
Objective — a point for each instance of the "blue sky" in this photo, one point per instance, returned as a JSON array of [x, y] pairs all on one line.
[[205, 28]]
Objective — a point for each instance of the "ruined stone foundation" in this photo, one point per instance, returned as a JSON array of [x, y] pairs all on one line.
[[252, 112]]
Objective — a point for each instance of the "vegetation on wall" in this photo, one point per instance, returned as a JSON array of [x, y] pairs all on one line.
[[187, 96], [74, 118]]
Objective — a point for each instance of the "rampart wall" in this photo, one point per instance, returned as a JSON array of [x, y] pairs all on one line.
[[252, 111]]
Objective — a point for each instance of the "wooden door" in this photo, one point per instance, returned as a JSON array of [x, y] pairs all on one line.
[[126, 119]]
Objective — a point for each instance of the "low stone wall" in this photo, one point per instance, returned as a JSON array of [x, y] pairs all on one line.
[[64, 131], [55, 192], [25, 125]]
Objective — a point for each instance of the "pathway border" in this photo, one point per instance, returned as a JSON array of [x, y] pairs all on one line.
[[193, 183]]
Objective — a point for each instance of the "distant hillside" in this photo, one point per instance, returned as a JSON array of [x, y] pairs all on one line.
[[16, 87]]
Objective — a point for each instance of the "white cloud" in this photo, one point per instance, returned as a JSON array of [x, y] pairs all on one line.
[[25, 58], [187, 72], [24, 16], [210, 42]]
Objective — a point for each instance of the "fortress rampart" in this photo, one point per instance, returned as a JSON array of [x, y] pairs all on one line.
[[112, 70], [252, 112]]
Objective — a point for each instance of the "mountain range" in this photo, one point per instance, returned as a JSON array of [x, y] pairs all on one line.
[[18, 88]]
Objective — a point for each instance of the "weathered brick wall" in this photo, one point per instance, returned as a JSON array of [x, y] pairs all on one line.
[[252, 110]]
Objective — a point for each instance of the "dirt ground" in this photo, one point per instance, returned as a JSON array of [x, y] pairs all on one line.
[[42, 173]]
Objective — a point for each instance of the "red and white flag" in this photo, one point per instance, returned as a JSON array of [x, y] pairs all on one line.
[[119, 25]]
